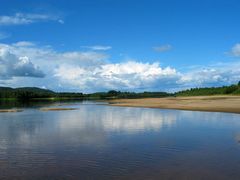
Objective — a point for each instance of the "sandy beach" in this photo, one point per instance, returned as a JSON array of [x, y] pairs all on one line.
[[10, 110], [229, 104]]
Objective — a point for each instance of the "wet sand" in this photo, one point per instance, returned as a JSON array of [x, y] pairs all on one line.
[[10, 110], [57, 109], [41, 109], [229, 104]]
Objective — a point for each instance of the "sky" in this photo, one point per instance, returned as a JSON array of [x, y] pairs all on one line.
[[127, 45]]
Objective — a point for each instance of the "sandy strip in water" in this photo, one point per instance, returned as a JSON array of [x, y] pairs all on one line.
[[57, 109], [10, 110]]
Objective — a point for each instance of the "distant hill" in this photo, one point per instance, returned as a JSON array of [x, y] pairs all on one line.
[[34, 89], [25, 92], [24, 89], [6, 89], [33, 92]]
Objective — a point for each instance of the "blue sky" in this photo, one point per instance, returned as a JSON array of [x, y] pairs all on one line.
[[97, 45]]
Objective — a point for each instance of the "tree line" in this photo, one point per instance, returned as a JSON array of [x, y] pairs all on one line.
[[224, 90], [38, 93], [28, 93]]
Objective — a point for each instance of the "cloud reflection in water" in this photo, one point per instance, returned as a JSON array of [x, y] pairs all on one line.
[[128, 120]]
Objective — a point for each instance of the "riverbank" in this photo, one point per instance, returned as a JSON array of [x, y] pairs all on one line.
[[229, 104]]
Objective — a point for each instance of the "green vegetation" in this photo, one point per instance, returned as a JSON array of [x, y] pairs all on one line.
[[28, 93], [224, 90], [33, 93], [118, 94]]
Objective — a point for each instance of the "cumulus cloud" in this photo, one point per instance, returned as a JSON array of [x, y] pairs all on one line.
[[21, 18], [137, 76], [162, 48], [235, 51], [221, 74], [130, 75], [48, 59], [13, 66], [91, 71], [98, 48]]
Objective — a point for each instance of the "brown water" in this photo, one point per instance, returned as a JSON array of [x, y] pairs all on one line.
[[104, 142]]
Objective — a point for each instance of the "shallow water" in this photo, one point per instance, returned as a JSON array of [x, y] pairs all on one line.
[[105, 142]]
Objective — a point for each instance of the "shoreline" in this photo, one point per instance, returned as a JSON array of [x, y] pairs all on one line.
[[220, 103]]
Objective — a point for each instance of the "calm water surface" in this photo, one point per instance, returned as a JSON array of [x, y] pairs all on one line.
[[104, 142]]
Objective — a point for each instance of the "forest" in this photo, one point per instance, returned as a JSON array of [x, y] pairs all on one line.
[[224, 90], [28, 93]]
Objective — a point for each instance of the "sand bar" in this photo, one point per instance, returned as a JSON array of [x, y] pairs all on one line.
[[229, 104], [10, 110], [57, 109]]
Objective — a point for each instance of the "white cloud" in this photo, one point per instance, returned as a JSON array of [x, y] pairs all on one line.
[[217, 75], [235, 51], [87, 57], [47, 59], [13, 66], [90, 71], [163, 48], [98, 48], [23, 44], [21, 18], [130, 75]]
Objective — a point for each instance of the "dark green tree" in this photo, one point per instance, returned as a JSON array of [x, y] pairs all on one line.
[[113, 93]]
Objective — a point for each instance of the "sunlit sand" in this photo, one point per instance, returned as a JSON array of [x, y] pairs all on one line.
[[10, 110], [196, 103]]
